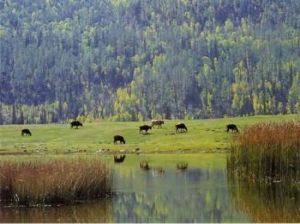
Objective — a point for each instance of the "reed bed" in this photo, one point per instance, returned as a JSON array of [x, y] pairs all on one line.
[[30, 183], [268, 152]]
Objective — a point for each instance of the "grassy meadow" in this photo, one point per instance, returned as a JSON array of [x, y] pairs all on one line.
[[207, 135]]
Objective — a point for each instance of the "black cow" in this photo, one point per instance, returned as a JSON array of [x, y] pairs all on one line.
[[145, 128], [25, 132], [232, 127], [119, 138], [158, 123], [181, 127], [76, 124], [119, 158]]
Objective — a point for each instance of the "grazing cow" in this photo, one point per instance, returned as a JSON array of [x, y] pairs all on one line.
[[25, 132], [76, 124], [119, 158], [181, 127], [158, 123], [145, 128], [119, 138], [232, 127]]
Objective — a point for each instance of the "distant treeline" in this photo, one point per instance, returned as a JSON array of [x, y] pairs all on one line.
[[143, 59]]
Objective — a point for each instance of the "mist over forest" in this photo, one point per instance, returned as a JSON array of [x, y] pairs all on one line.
[[129, 60]]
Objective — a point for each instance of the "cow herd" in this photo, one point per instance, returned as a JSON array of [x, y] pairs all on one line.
[[179, 128]]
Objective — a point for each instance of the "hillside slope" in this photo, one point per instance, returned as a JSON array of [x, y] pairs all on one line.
[[142, 59]]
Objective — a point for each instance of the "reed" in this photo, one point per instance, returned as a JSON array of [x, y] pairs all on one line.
[[53, 182], [268, 152]]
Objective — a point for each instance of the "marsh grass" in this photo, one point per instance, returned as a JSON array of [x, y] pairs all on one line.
[[267, 151], [30, 183]]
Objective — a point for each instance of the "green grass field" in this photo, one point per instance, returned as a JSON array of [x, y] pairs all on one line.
[[207, 135]]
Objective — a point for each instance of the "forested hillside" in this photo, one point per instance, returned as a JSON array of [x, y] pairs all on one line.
[[143, 59]]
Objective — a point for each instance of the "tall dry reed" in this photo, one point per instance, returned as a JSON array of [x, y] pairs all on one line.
[[267, 151], [53, 182]]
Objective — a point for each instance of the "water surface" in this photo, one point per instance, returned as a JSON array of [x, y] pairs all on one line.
[[202, 193]]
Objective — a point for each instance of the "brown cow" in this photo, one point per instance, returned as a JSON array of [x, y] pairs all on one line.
[[158, 123]]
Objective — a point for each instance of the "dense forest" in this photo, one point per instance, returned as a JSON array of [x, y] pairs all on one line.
[[132, 60]]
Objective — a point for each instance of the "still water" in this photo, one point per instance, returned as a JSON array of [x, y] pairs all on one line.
[[202, 193]]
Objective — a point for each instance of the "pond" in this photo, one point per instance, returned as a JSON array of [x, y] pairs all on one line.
[[202, 193]]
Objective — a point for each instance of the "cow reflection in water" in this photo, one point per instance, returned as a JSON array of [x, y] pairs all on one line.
[[196, 195], [172, 196]]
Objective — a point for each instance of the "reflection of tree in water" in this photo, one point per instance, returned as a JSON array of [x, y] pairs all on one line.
[[196, 195], [274, 202], [97, 211], [192, 196], [194, 175]]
